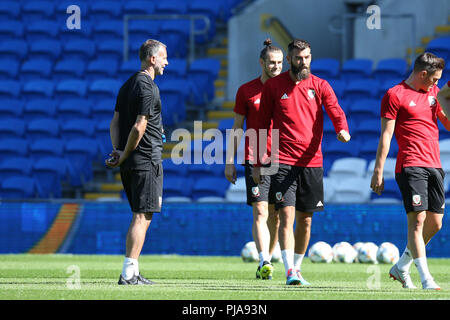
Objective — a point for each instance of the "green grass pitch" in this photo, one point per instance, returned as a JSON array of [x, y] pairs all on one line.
[[54, 277]]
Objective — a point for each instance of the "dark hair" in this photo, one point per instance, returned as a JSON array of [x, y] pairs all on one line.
[[428, 62], [149, 48], [298, 44], [268, 48]]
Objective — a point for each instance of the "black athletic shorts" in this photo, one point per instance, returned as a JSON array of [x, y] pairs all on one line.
[[258, 192], [299, 187], [422, 189], [144, 188]]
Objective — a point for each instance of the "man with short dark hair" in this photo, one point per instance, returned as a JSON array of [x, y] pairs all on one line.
[[137, 138], [293, 103], [410, 110]]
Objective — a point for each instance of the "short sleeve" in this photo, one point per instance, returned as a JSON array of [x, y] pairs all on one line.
[[389, 106], [240, 106], [146, 98], [119, 100]]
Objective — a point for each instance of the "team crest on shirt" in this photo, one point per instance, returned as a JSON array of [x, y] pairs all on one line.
[[279, 197], [311, 94], [257, 101], [255, 192], [432, 100], [416, 200]]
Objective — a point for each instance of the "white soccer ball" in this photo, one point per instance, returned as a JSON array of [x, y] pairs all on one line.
[[356, 246], [276, 255], [249, 253], [344, 252], [367, 253], [320, 252], [388, 253]]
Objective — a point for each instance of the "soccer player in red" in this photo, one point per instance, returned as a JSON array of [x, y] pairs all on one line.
[[265, 218], [410, 110], [293, 103]]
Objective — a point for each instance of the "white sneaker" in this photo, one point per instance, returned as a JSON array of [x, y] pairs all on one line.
[[429, 284], [402, 276]]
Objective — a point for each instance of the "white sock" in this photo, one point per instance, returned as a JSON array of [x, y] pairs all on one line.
[[422, 267], [298, 258], [288, 259], [263, 256], [130, 268], [405, 260]]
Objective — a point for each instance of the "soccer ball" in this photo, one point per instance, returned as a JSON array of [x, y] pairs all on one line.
[[344, 252], [249, 253], [320, 252], [367, 253], [276, 256], [388, 253], [357, 246]]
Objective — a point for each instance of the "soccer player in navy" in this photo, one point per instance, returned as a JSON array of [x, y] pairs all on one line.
[[293, 103], [137, 139]]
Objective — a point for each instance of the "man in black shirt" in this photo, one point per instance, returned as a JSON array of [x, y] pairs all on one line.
[[137, 136]]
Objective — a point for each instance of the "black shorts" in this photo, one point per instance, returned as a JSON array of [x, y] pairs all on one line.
[[144, 188], [258, 192], [422, 189], [299, 187]]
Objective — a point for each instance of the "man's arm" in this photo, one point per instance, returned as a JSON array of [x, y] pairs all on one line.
[[335, 113], [443, 98], [114, 130], [233, 143], [387, 130]]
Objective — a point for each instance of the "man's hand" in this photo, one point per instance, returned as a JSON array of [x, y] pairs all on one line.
[[343, 136], [256, 174], [377, 182], [443, 97], [230, 172], [115, 159]]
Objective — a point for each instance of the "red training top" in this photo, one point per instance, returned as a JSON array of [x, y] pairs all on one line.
[[247, 104], [296, 111], [416, 127]]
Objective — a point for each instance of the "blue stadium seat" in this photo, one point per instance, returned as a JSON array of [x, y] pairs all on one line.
[[71, 88], [80, 153], [177, 187], [440, 47], [15, 166], [18, 187], [391, 190], [49, 172], [225, 124], [138, 7], [77, 129], [9, 10], [104, 89], [386, 85], [175, 33], [62, 15], [390, 68], [103, 109], [13, 147], [13, 49], [335, 149], [74, 108], [41, 30], [9, 89], [67, 35], [202, 74], [338, 88], [83, 49], [47, 147], [11, 108], [141, 30], [102, 135], [202, 187], [198, 171], [45, 49], [69, 69], [368, 149], [36, 69], [39, 108], [101, 68], [171, 7], [326, 68], [174, 170], [176, 69], [11, 29], [356, 69], [361, 89], [12, 128], [38, 10], [128, 68], [37, 89], [110, 50], [105, 10], [361, 109], [42, 128], [9, 69], [108, 30], [173, 93], [367, 129]]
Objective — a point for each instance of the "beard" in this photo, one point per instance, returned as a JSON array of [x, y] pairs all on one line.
[[301, 72]]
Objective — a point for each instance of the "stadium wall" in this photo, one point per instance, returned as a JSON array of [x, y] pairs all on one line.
[[192, 229]]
